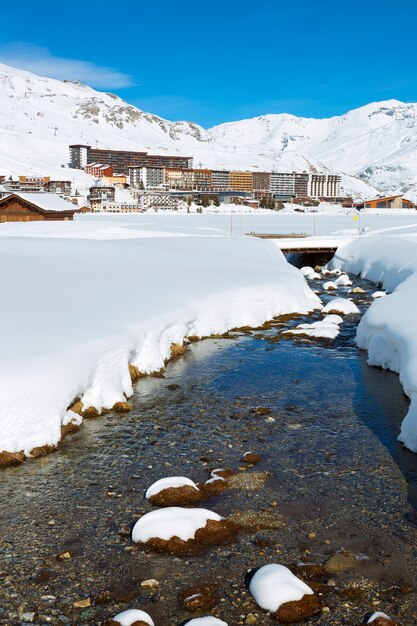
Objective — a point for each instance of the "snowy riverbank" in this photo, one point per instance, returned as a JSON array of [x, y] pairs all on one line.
[[85, 299], [388, 329]]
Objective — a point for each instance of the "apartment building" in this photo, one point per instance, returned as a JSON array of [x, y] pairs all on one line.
[[181, 179], [161, 201], [261, 182], [146, 177], [324, 185], [102, 193], [122, 160], [99, 170], [119, 180], [220, 180], [301, 186], [282, 184], [241, 181], [60, 187], [202, 180]]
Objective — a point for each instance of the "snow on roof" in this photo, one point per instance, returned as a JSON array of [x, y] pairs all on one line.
[[47, 201]]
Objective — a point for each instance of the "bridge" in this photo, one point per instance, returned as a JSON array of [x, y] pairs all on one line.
[[301, 243]]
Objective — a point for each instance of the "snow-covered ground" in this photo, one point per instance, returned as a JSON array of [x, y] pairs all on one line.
[[86, 298], [83, 299], [388, 330]]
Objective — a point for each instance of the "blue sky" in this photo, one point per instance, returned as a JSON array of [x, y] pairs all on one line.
[[217, 61]]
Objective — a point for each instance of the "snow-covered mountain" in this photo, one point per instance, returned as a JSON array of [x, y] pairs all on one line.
[[373, 147]]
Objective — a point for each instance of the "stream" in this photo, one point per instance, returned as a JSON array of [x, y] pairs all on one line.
[[332, 477]]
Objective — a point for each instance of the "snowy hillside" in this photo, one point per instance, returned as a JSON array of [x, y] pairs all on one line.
[[40, 117]]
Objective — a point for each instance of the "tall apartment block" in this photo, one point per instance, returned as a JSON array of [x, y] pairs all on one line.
[[261, 182], [220, 180], [301, 185], [241, 181], [181, 179], [282, 184], [146, 177], [202, 180], [121, 160], [324, 185]]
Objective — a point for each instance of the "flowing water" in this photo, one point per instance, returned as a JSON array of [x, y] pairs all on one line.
[[332, 476]]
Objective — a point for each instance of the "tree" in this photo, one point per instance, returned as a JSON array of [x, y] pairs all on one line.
[[216, 201]]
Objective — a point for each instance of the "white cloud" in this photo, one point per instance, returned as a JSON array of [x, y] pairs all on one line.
[[40, 61]]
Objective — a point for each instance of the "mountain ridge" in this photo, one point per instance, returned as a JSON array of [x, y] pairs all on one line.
[[373, 147]]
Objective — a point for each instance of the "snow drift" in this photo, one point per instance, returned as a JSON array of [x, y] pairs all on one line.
[[77, 311], [388, 329]]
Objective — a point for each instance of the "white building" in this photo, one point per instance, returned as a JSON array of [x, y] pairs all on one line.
[[146, 177], [324, 185]]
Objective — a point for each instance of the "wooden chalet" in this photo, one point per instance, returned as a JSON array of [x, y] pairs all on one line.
[[28, 207], [389, 202]]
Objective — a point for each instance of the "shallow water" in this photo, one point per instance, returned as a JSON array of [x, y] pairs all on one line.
[[329, 447]]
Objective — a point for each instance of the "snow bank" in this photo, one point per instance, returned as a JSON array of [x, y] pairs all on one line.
[[79, 307], [388, 329], [169, 483], [170, 522], [129, 617], [273, 585]]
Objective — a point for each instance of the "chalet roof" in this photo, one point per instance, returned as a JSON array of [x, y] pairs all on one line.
[[379, 198], [45, 201]]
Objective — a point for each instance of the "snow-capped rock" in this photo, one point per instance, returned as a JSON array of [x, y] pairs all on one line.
[[274, 586], [130, 617], [344, 306]]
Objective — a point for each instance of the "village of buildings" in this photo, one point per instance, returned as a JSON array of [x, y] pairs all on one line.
[[130, 181]]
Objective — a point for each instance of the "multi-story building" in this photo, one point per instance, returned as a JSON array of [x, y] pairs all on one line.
[[115, 179], [146, 177], [99, 170], [241, 181], [220, 180], [102, 193], [301, 185], [202, 180], [282, 184], [60, 187], [161, 201], [324, 185], [122, 160], [261, 182], [178, 178]]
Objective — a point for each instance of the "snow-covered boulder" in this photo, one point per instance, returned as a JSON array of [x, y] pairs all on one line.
[[178, 530], [379, 619], [378, 294], [314, 276], [306, 270], [329, 285], [343, 281], [131, 617], [277, 590], [342, 306], [206, 621], [173, 491]]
